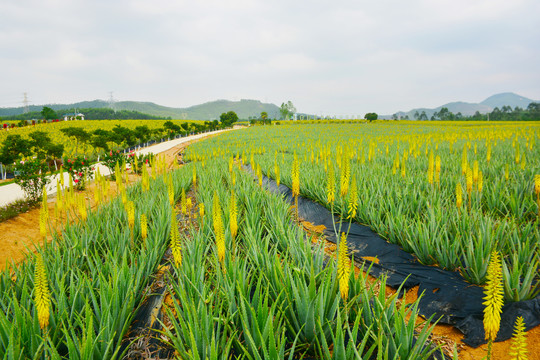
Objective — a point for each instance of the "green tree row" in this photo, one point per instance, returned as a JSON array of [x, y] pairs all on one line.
[[505, 113], [90, 114]]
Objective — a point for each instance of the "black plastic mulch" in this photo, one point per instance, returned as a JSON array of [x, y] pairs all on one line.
[[446, 294]]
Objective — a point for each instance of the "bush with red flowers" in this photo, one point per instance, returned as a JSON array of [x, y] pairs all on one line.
[[112, 157], [80, 171]]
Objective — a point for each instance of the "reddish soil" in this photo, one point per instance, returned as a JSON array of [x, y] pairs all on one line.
[[21, 233]]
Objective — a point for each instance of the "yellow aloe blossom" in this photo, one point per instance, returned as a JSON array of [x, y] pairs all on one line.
[[295, 173], [219, 230], [183, 202], [331, 185], [353, 199], [144, 226], [175, 241], [493, 300], [518, 349], [130, 209], [42, 296], [344, 267], [459, 195], [233, 213]]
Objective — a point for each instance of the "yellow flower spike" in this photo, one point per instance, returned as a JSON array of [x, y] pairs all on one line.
[[170, 192], [277, 174], [233, 214], [344, 268], [130, 210], [493, 300], [469, 178], [345, 175], [353, 199], [259, 175], [459, 195], [506, 172], [518, 349], [295, 173], [43, 216], [183, 202], [480, 181], [82, 208], [42, 296], [331, 185], [475, 171], [144, 226], [464, 161], [201, 212], [537, 184], [189, 204], [219, 229], [431, 168], [175, 241]]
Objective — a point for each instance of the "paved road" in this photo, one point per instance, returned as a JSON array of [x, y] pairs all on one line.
[[12, 192]]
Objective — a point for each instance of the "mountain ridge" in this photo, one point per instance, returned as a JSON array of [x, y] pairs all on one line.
[[246, 108], [468, 108], [210, 110]]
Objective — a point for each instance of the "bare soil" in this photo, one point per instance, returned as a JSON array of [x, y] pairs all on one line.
[[445, 335]]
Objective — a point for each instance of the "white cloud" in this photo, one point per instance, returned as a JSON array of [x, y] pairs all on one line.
[[344, 56]]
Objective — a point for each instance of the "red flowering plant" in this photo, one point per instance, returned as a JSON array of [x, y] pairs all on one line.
[[111, 158], [32, 176], [80, 170]]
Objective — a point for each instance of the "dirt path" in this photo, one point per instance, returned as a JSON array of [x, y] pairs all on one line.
[[21, 233]]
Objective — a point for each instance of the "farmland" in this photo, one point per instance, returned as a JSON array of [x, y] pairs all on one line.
[[54, 131], [244, 279]]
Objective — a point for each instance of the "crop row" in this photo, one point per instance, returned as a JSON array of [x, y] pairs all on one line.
[[407, 180], [75, 298]]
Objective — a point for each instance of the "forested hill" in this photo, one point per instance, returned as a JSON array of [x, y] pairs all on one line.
[[207, 111], [89, 113]]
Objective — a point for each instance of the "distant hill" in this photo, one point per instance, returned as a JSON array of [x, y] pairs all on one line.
[[508, 99], [468, 109], [207, 111]]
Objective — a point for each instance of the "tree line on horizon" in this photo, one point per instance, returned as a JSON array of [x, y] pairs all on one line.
[[89, 113], [505, 113]]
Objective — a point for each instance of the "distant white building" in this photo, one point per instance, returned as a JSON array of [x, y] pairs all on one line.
[[73, 116]]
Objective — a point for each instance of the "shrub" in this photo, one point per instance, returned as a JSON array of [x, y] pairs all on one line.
[[80, 170], [31, 176]]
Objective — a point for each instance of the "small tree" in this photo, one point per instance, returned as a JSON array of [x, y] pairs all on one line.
[[48, 113], [14, 148], [371, 116], [80, 135], [227, 119], [32, 177], [287, 110]]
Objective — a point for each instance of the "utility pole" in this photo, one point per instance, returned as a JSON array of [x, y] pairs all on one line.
[[26, 104]]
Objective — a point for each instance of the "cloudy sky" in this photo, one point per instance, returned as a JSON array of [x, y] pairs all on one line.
[[327, 57]]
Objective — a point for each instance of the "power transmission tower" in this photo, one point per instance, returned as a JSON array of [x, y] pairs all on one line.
[[26, 103], [111, 101]]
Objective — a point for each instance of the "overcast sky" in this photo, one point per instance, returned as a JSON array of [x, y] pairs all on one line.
[[327, 57]]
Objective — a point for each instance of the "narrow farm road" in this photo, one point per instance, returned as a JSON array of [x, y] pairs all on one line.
[[21, 233]]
